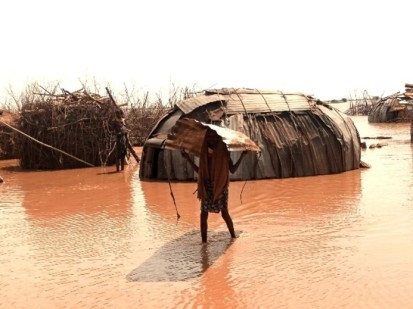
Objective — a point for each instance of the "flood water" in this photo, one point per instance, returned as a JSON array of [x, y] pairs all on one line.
[[92, 238]]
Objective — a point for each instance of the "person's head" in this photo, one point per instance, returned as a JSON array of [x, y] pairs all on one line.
[[212, 138]]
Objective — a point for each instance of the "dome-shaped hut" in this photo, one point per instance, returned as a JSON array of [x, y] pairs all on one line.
[[394, 108], [298, 135]]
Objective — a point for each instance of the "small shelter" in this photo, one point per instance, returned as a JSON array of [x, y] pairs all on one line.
[[394, 108], [67, 130], [297, 134]]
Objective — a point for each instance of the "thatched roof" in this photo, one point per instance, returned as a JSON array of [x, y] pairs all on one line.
[[298, 135]]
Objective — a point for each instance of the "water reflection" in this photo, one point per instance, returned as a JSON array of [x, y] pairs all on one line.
[[217, 281], [160, 196], [82, 192], [68, 220], [302, 198], [93, 238]]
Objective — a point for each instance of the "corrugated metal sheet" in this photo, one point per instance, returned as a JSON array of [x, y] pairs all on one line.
[[323, 141], [394, 108], [315, 141], [250, 101], [190, 104], [189, 134], [165, 124]]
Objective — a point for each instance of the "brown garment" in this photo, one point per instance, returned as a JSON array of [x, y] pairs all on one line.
[[217, 172]]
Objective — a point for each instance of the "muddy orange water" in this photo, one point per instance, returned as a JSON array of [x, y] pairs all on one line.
[[92, 238]]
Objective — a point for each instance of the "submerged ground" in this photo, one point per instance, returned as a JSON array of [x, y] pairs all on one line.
[[95, 238]]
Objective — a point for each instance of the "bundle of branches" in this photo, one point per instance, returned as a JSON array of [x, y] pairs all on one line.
[[361, 106], [7, 135], [79, 124]]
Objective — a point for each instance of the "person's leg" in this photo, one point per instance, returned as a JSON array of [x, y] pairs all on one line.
[[228, 221], [117, 164], [122, 163], [204, 225], [118, 156]]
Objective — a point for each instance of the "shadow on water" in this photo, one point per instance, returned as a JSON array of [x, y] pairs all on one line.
[[183, 258], [109, 173]]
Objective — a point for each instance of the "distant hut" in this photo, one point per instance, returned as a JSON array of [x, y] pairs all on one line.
[[394, 108], [7, 135], [67, 130], [409, 95], [298, 135]]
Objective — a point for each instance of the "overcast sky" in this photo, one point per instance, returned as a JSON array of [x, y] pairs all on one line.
[[331, 49]]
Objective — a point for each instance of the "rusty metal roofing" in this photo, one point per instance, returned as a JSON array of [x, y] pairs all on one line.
[[189, 134], [314, 142], [249, 101], [393, 108]]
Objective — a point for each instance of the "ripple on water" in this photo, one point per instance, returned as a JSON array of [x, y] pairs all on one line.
[[86, 238]]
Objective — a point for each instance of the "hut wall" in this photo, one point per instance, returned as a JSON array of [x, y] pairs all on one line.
[[380, 113], [293, 144], [349, 137], [384, 112]]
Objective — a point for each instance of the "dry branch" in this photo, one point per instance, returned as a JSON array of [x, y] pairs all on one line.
[[45, 145], [76, 123]]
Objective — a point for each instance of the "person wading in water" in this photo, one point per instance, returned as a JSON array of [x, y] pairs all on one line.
[[213, 180], [121, 143]]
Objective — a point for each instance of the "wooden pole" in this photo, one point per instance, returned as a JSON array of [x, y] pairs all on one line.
[[132, 151]]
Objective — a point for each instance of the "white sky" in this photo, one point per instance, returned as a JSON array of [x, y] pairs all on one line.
[[328, 48]]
